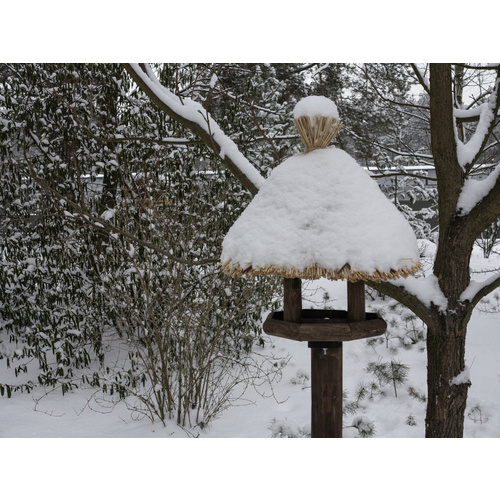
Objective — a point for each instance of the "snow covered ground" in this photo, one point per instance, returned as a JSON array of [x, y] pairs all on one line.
[[284, 410]]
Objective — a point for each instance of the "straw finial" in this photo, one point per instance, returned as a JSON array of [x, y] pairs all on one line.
[[317, 121]]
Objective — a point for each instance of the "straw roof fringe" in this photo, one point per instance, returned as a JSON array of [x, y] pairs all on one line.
[[317, 132], [315, 272]]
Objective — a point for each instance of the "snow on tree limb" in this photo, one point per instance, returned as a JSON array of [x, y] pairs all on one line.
[[425, 289], [194, 117], [469, 115], [479, 289], [418, 294], [469, 152], [474, 190]]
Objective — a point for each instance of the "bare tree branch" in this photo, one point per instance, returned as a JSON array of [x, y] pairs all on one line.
[[402, 173], [421, 78], [386, 99], [423, 157], [494, 67]]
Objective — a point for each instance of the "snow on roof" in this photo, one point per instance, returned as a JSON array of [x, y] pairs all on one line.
[[316, 106], [320, 214]]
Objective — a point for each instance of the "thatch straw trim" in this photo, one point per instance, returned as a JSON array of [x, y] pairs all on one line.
[[315, 272], [317, 132]]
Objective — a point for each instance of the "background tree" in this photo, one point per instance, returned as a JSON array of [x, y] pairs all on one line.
[[385, 129], [99, 194]]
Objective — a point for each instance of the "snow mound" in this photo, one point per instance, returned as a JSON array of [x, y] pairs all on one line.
[[316, 106], [320, 215]]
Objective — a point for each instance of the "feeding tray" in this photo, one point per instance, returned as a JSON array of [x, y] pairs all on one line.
[[318, 325]]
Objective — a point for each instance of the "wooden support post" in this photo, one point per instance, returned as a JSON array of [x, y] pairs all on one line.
[[326, 372], [292, 306], [356, 301], [326, 389]]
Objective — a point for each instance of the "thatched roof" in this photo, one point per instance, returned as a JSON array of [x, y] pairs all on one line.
[[319, 214]]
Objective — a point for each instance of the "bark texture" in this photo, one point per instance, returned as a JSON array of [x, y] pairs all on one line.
[[446, 359]]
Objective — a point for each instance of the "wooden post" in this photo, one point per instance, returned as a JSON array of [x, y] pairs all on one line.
[[327, 372], [356, 301], [326, 389], [292, 304]]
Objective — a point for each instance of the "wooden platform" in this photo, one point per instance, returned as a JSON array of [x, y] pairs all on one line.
[[318, 325]]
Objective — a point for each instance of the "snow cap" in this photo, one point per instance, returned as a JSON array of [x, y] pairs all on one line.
[[320, 214], [316, 105], [317, 121]]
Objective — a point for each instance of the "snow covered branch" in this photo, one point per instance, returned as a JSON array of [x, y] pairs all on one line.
[[477, 290], [468, 115], [487, 112], [195, 118], [418, 294], [475, 190], [479, 202]]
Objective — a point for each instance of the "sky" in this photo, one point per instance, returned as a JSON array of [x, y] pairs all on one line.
[[96, 31]]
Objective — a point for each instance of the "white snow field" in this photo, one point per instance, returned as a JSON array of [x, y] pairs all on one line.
[[284, 409], [271, 468]]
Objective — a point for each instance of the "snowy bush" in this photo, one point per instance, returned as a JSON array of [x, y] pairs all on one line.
[[285, 429], [410, 420], [477, 413], [364, 425], [110, 238], [302, 377]]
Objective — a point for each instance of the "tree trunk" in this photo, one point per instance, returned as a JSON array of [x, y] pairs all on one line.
[[447, 329], [446, 400], [446, 339]]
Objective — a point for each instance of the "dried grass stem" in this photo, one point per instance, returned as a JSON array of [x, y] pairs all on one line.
[[317, 132]]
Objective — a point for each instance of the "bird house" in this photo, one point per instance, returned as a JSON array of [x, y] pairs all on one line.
[[320, 215]]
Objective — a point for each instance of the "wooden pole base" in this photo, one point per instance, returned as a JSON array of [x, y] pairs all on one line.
[[326, 389]]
